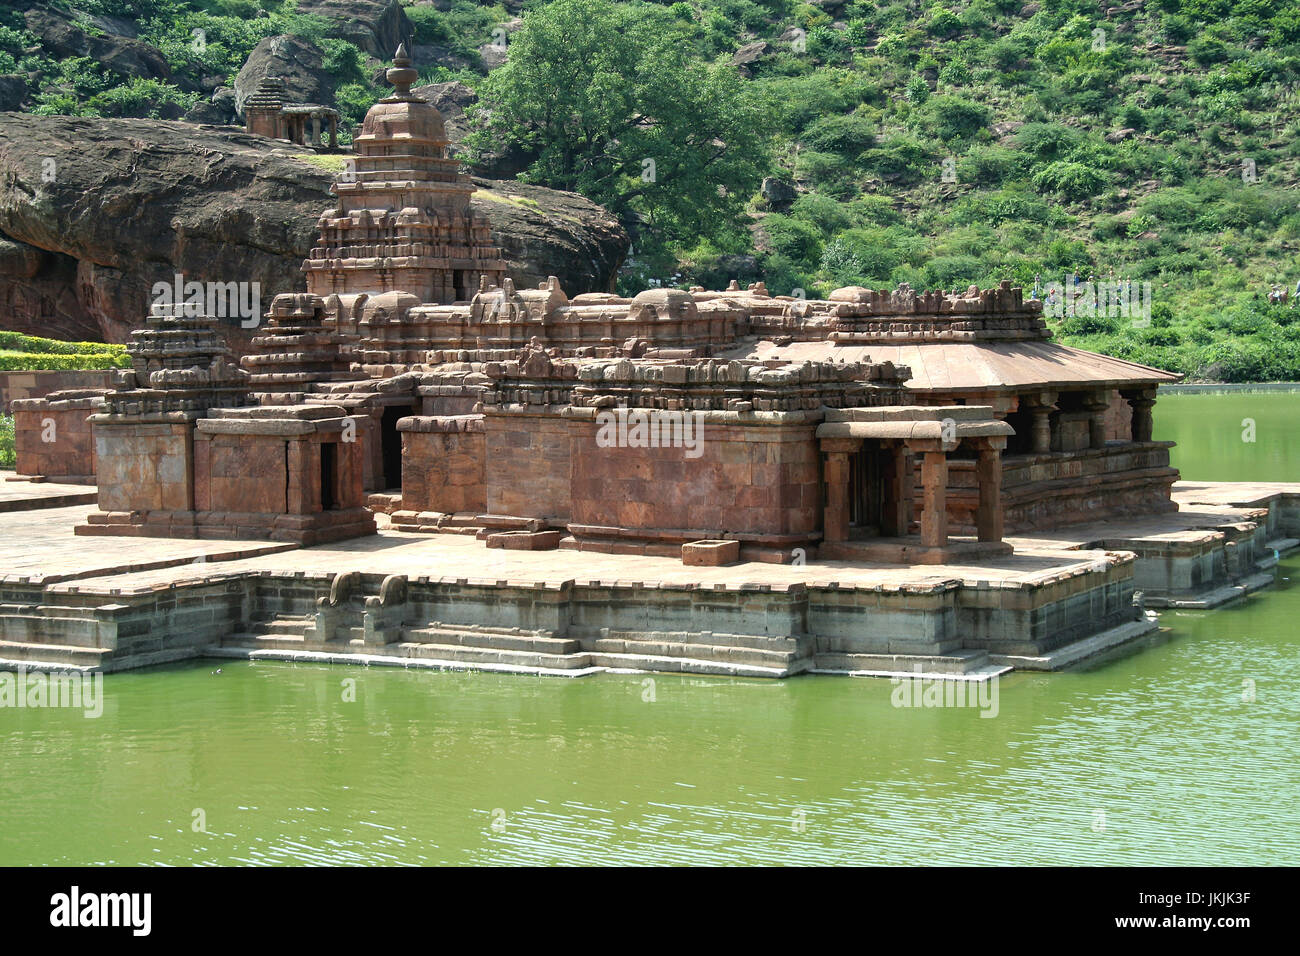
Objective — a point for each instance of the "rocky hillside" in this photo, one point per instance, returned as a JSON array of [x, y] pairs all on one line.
[[934, 142], [95, 211]]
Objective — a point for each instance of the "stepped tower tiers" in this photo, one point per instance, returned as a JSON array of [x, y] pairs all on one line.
[[403, 221]]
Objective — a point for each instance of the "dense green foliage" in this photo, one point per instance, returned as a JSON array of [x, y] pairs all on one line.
[[26, 353], [8, 455], [612, 102], [935, 142]]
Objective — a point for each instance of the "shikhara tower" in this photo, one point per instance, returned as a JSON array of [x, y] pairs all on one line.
[[403, 220]]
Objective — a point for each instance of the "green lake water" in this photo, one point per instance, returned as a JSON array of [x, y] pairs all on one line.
[[1164, 756]]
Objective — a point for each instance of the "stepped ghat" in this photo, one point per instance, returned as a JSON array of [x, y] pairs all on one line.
[[723, 481]]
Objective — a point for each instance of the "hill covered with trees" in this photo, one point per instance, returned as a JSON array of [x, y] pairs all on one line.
[[814, 145]]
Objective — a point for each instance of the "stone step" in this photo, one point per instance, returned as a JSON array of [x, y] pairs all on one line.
[[32, 628], [702, 638], [953, 663], [716, 653], [493, 640], [282, 625], [649, 663], [464, 654], [252, 640], [22, 651]]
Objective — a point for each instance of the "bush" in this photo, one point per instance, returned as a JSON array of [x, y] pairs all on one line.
[[823, 212], [1073, 181], [797, 241], [8, 456], [952, 117], [21, 342], [845, 135], [986, 165], [41, 361]]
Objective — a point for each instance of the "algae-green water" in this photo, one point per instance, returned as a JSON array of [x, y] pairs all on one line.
[[1182, 753], [1232, 436]]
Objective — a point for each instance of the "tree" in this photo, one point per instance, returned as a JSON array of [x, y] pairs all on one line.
[[616, 102]]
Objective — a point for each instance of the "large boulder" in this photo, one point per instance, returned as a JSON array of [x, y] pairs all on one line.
[[133, 202], [13, 91], [545, 232], [450, 99], [377, 26], [62, 37], [294, 60]]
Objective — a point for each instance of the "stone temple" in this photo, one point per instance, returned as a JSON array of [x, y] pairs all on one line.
[[413, 378]]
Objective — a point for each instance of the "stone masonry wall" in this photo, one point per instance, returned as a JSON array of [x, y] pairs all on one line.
[[754, 481], [442, 464], [70, 451], [145, 466], [527, 465]]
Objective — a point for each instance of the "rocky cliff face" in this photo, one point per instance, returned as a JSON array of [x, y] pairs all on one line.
[[96, 211]]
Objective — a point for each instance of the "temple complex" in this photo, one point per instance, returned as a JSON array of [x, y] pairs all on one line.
[[412, 377], [725, 482]]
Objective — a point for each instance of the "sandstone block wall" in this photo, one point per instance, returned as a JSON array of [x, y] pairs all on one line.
[[240, 473], [756, 481], [69, 452], [145, 466], [527, 466], [19, 385], [442, 465]]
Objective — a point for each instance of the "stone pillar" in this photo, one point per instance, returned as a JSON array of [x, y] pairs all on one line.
[[334, 133], [1097, 405], [934, 488], [835, 519], [1141, 401], [1040, 405], [315, 129], [988, 475], [896, 510]]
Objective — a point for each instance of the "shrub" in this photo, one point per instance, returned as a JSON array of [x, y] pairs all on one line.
[[986, 165], [845, 135], [8, 456], [1073, 181], [823, 212], [899, 156], [40, 361], [798, 241], [953, 117]]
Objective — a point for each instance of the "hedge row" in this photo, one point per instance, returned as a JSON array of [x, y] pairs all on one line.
[[19, 342], [46, 361]]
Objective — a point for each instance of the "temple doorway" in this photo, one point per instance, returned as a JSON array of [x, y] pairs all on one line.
[[390, 443], [866, 491]]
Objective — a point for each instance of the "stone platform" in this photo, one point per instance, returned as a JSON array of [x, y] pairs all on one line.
[[20, 494], [447, 601]]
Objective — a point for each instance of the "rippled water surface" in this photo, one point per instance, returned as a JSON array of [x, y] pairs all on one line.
[[1159, 757]]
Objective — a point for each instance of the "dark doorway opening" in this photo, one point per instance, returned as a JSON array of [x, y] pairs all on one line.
[[866, 492], [391, 443], [329, 473]]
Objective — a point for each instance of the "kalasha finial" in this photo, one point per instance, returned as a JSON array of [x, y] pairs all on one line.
[[400, 74]]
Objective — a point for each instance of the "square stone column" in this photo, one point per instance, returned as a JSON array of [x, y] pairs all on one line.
[[896, 512], [835, 519], [934, 489], [988, 475]]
